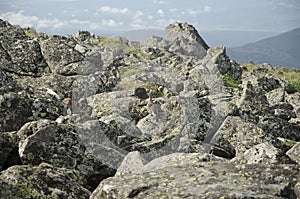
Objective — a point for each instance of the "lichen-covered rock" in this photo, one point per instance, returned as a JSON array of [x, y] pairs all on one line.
[[294, 153], [85, 147], [54, 144], [42, 181], [253, 102], [19, 53], [264, 153], [240, 134], [204, 180], [15, 110], [61, 55]]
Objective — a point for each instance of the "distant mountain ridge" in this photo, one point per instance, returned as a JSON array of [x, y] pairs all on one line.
[[281, 50]]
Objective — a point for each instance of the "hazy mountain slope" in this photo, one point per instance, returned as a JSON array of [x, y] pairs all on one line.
[[280, 50], [233, 38]]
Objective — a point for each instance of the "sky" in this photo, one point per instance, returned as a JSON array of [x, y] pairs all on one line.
[[107, 17]]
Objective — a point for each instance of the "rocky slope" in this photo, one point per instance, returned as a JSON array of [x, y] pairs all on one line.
[[96, 117]]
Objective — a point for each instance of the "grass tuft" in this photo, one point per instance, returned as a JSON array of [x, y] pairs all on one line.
[[231, 82]]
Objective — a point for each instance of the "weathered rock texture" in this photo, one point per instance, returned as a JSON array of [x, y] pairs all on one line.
[[189, 177], [168, 117]]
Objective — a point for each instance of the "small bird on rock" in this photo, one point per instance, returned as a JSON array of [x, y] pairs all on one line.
[[152, 107]]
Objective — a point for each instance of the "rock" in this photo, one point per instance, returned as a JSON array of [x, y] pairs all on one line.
[[253, 102], [84, 35], [60, 54], [8, 150], [15, 110], [217, 61], [239, 135], [132, 163], [204, 180], [297, 189], [52, 144], [186, 40], [84, 147], [19, 53], [42, 181], [294, 99], [276, 96], [141, 93], [294, 153], [278, 127], [284, 111], [264, 153]]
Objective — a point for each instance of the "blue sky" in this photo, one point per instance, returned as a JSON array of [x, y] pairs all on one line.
[[111, 16]]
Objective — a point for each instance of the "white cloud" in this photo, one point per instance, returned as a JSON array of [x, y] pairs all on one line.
[[108, 9], [160, 2], [173, 10], [205, 9], [137, 21], [110, 23], [160, 12], [150, 17], [18, 18], [52, 24], [32, 21], [104, 24], [80, 22]]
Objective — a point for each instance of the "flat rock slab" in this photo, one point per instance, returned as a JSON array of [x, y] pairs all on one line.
[[204, 180]]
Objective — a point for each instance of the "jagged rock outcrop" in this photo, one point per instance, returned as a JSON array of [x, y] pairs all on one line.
[[186, 40], [187, 116]]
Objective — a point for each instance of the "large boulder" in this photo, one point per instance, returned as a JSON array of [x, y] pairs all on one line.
[[198, 179], [186, 40], [19, 53], [41, 181], [15, 110], [236, 136]]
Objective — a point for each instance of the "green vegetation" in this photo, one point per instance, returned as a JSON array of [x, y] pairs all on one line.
[[293, 87], [231, 82], [155, 87], [28, 34], [292, 76], [125, 72], [26, 190], [114, 42]]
